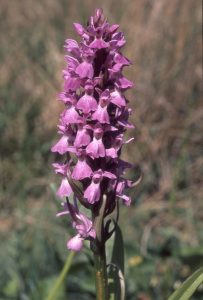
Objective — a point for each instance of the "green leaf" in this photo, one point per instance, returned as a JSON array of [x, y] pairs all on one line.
[[59, 282], [188, 288], [116, 273]]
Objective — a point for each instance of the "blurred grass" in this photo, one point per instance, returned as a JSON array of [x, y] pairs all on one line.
[[163, 229]]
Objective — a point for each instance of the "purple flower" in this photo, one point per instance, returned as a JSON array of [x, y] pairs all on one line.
[[101, 114], [93, 124], [62, 145], [87, 102], [93, 191], [96, 148], [85, 70], [75, 243], [81, 170], [82, 136], [81, 223], [65, 189]]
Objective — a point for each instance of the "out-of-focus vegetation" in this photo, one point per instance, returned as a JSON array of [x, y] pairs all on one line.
[[163, 230]]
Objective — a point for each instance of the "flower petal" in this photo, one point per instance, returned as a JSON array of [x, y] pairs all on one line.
[[87, 103], [84, 70], [96, 149], [93, 192], [64, 189], [81, 170], [61, 146], [75, 243]]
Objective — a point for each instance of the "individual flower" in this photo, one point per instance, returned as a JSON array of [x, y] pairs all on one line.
[[65, 189], [82, 169], [81, 223], [96, 148], [93, 191]]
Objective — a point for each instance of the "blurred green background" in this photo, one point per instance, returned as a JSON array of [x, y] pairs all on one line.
[[163, 231]]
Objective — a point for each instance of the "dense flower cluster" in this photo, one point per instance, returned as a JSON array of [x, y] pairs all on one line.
[[93, 123]]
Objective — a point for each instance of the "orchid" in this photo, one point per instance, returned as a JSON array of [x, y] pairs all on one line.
[[92, 126]]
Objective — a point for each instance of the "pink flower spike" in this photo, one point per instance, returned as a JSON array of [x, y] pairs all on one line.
[[92, 128]]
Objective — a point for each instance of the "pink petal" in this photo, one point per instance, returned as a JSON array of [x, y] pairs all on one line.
[[84, 225], [87, 103], [121, 59], [84, 70], [62, 213], [72, 83], [126, 199], [113, 28], [118, 99], [75, 243], [124, 83], [82, 138], [111, 152], [64, 189], [61, 146], [81, 170], [99, 44], [72, 47], [71, 116], [101, 115], [60, 168], [93, 192], [96, 149], [79, 28], [109, 175]]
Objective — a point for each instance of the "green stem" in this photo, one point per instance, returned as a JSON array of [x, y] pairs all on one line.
[[59, 282], [101, 274]]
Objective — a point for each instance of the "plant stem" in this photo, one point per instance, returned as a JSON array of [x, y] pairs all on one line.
[[101, 274], [56, 288]]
